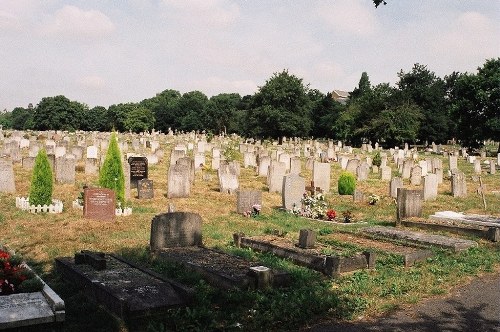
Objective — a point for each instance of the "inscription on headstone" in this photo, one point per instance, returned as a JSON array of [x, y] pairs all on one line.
[[145, 189], [99, 203], [138, 170]]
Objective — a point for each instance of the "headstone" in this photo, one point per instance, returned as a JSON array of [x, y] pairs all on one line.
[[425, 167], [175, 229], [7, 184], [307, 238], [394, 185], [492, 167], [126, 176], [249, 160], [321, 176], [352, 166], [60, 151], [295, 165], [145, 189], [407, 166], [293, 190], [439, 175], [92, 152], [416, 176], [285, 158], [199, 160], [179, 183], [458, 184], [358, 196], [246, 199], [277, 171], [453, 162], [409, 203], [264, 163], [99, 203], [28, 162], [228, 178], [430, 187], [385, 173], [65, 169], [189, 163], [362, 171], [138, 170], [477, 166], [176, 155]]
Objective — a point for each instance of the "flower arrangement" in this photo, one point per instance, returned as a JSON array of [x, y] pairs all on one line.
[[347, 216], [313, 206], [373, 199], [255, 211], [16, 277], [331, 214]]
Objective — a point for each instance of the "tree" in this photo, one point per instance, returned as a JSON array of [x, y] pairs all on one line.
[[6, 119], [96, 119], [139, 120], [191, 113], [41, 181], [423, 88], [111, 174], [58, 113], [364, 87], [117, 114], [165, 106], [281, 108], [22, 118], [325, 114], [220, 109]]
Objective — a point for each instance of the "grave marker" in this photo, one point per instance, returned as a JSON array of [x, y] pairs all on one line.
[[99, 203], [138, 170], [145, 189]]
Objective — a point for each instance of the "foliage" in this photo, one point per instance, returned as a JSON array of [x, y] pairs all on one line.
[[346, 183], [139, 120], [42, 184], [96, 119], [15, 277], [58, 113], [377, 159], [281, 108], [231, 151], [111, 174], [313, 206], [22, 118]]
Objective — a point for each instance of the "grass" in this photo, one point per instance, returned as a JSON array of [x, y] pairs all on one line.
[[312, 296]]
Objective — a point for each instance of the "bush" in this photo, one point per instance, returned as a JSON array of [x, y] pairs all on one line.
[[111, 174], [346, 184], [377, 160], [41, 181]]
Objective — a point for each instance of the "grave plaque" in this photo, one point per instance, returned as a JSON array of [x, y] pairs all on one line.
[[138, 170], [145, 189], [99, 203], [409, 204], [175, 229]]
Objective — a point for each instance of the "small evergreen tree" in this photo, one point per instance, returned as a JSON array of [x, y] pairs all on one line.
[[111, 174], [377, 159], [41, 181], [346, 183]]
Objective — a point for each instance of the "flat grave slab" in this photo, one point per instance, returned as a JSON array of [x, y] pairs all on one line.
[[454, 244], [124, 288], [35, 309], [220, 269], [466, 219]]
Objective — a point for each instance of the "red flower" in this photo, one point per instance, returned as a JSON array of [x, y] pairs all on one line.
[[331, 214]]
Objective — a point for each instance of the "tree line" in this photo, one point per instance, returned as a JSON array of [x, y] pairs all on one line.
[[420, 108]]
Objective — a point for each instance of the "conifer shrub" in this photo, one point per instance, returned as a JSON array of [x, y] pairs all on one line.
[[346, 183], [111, 175], [377, 160], [42, 184]]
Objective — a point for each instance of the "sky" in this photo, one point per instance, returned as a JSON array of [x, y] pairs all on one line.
[[104, 52]]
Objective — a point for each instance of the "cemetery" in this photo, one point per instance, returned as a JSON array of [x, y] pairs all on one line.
[[223, 230]]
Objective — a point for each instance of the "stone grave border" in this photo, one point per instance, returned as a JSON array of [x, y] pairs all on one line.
[[331, 265], [53, 300], [219, 279], [101, 294]]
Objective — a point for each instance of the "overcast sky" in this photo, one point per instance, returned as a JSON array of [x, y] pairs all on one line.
[[106, 52]]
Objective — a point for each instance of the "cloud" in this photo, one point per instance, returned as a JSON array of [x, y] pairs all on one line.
[[92, 82], [214, 85], [214, 13], [73, 22], [349, 16]]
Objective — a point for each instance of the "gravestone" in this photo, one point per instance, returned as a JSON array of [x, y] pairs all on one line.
[[409, 204], [249, 160], [458, 184], [453, 162], [492, 167], [358, 196], [228, 178], [264, 163], [321, 176], [179, 184], [126, 176], [199, 160], [352, 166], [176, 155], [416, 176], [99, 203], [246, 199], [439, 175], [394, 185], [285, 158], [295, 165], [307, 238], [92, 152], [362, 171], [65, 169], [7, 184], [275, 176], [293, 190], [385, 173], [145, 189], [175, 229], [424, 165], [407, 166], [430, 187], [138, 170], [28, 162], [189, 163], [91, 166], [477, 166]]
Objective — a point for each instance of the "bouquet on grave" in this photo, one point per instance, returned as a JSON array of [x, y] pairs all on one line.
[[16, 277]]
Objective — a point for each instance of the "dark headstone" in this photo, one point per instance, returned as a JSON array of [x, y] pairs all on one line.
[[138, 170], [409, 203], [176, 229], [99, 203], [307, 238], [145, 189]]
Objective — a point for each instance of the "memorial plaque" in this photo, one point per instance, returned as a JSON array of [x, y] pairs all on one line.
[[138, 170], [145, 189], [99, 203]]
